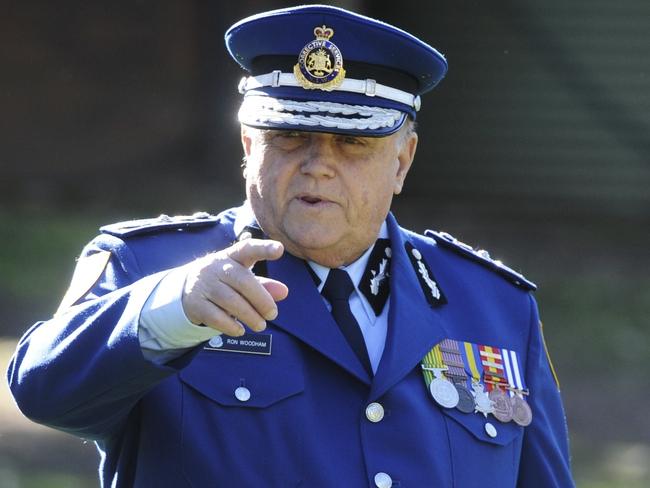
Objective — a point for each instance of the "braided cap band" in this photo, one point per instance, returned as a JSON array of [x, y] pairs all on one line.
[[268, 112]]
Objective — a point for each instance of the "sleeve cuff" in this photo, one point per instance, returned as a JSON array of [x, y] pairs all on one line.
[[163, 325]]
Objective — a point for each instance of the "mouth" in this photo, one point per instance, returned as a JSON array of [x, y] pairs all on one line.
[[313, 200]]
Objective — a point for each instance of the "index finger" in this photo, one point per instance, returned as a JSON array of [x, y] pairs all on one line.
[[250, 251]]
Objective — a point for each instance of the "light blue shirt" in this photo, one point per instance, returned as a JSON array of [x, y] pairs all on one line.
[[373, 327]]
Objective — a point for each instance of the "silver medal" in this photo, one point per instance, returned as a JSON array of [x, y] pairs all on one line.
[[482, 400], [444, 392]]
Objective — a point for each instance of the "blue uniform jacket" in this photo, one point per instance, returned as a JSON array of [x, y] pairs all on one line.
[[304, 425]]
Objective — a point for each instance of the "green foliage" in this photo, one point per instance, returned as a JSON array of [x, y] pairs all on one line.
[[598, 324], [37, 250], [37, 257]]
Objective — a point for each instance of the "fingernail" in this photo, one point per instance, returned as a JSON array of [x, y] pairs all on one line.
[[272, 314]]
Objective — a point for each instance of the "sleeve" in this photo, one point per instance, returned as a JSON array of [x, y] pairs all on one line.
[[83, 370], [165, 332], [545, 459]]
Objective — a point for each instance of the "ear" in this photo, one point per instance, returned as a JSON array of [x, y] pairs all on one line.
[[405, 158], [246, 141]]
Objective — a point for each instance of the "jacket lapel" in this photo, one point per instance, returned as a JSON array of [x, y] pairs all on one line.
[[304, 315], [414, 327]]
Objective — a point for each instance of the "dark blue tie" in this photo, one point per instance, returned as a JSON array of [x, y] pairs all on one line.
[[337, 290]]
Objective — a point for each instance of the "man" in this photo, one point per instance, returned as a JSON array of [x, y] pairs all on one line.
[[303, 339]]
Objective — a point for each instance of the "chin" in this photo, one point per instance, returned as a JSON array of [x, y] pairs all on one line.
[[314, 238]]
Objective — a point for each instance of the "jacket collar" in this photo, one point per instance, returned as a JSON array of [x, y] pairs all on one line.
[[414, 327]]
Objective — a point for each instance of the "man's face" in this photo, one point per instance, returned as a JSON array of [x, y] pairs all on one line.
[[324, 196]]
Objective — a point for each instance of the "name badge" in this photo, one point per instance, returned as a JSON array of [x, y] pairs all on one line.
[[247, 344]]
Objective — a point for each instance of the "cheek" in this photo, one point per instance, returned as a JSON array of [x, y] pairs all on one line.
[[257, 175], [268, 182]]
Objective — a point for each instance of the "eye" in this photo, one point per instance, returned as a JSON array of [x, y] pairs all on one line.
[[287, 140], [289, 134], [352, 140]]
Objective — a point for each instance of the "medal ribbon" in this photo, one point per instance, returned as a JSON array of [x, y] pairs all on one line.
[[493, 370], [433, 359], [513, 372], [454, 360], [471, 362]]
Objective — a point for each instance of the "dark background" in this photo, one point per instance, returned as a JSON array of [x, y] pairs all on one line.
[[536, 147]]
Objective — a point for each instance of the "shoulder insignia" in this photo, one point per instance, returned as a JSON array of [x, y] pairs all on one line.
[[482, 257], [89, 269], [163, 222]]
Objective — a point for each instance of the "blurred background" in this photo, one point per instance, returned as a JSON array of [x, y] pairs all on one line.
[[536, 147]]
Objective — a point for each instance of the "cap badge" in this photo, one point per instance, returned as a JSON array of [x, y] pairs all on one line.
[[320, 63]]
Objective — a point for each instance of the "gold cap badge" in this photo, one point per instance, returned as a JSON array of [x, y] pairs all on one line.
[[320, 63]]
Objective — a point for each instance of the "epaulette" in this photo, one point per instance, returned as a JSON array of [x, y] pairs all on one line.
[[163, 222], [482, 257]]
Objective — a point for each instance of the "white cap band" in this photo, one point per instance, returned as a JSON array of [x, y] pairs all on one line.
[[367, 87]]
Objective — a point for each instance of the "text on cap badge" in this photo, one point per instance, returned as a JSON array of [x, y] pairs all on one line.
[[320, 63]]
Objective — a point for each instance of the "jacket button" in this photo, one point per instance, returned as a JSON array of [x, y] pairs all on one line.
[[383, 480], [375, 412], [491, 430], [242, 394]]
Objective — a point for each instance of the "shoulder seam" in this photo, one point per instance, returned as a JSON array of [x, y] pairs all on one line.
[[481, 257], [162, 223]]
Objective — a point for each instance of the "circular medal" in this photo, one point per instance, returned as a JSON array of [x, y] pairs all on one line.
[[521, 412], [502, 406], [465, 399], [444, 392]]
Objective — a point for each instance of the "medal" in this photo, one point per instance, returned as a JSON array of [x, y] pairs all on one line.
[[465, 399], [456, 373], [482, 400], [521, 412], [442, 390], [503, 408], [495, 380], [494, 374]]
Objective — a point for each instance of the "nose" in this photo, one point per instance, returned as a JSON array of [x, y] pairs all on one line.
[[319, 160]]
